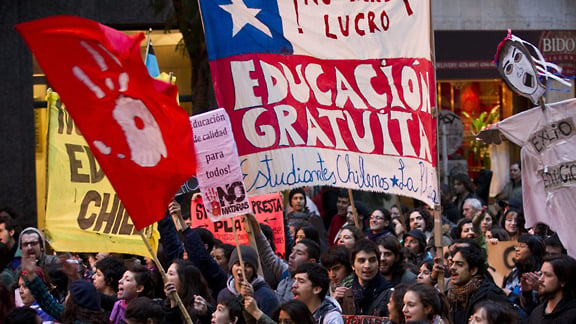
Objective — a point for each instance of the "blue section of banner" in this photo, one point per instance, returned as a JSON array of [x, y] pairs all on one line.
[[243, 26]]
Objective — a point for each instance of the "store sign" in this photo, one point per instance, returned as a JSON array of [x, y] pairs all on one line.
[[559, 47]]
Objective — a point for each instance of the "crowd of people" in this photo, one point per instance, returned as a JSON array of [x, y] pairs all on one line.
[[342, 259]]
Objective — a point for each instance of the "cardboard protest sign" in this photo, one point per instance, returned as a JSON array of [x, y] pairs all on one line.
[[501, 259], [218, 172], [83, 212], [364, 319], [332, 93], [267, 209]]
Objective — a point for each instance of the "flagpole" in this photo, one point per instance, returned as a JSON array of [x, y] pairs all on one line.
[[174, 295], [354, 213], [147, 45]]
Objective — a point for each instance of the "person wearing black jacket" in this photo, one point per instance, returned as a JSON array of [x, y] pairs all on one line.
[[370, 290], [469, 283], [557, 286]]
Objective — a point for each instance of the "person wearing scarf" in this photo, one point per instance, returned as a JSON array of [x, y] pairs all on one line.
[[370, 290], [469, 283]]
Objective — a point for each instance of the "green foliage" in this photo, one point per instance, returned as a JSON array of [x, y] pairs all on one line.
[[478, 147]]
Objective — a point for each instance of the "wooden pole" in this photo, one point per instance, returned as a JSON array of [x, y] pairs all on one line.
[[174, 295], [239, 253], [438, 244], [354, 212]]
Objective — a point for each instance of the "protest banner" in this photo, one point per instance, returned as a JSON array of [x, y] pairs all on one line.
[[83, 213], [266, 208], [218, 168], [501, 259], [364, 319], [332, 93]]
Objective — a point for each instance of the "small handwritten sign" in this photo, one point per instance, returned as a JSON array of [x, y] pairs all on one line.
[[267, 209], [218, 172]]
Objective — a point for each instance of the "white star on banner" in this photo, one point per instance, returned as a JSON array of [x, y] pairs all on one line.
[[242, 15]]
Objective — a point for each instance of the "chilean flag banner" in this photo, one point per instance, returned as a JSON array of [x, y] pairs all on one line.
[[139, 135], [324, 92]]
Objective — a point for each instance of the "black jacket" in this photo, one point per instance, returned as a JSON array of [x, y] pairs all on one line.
[[460, 313], [565, 312]]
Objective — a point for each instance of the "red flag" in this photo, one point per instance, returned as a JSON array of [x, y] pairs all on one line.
[[140, 136]]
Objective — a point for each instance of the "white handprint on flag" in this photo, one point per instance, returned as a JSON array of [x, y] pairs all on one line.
[[142, 132]]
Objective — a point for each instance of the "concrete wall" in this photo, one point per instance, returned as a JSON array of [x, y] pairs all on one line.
[[503, 14]]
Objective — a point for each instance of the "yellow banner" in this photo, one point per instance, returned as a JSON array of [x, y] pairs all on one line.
[[83, 212]]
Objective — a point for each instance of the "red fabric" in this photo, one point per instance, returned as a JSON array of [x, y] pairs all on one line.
[[335, 225], [140, 136]]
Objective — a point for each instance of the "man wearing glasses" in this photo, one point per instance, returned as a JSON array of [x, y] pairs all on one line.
[[31, 242]]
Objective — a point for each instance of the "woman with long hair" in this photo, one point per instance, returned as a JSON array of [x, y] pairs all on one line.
[[513, 222], [422, 303], [530, 251], [186, 280]]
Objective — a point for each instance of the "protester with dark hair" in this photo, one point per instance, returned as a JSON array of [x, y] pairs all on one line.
[[337, 261], [415, 243], [395, 305], [108, 272], [8, 239], [513, 189], [300, 213], [135, 282], [278, 274], [229, 311], [221, 254], [491, 312], [251, 285], [187, 281], [513, 222], [530, 251], [27, 298], [143, 310], [380, 224], [370, 290], [393, 261], [311, 286], [557, 287], [338, 220], [554, 245], [463, 188], [425, 273], [22, 315], [292, 311], [464, 229], [420, 219], [469, 283]]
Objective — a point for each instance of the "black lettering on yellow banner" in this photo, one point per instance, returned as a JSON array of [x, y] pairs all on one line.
[[97, 209]]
